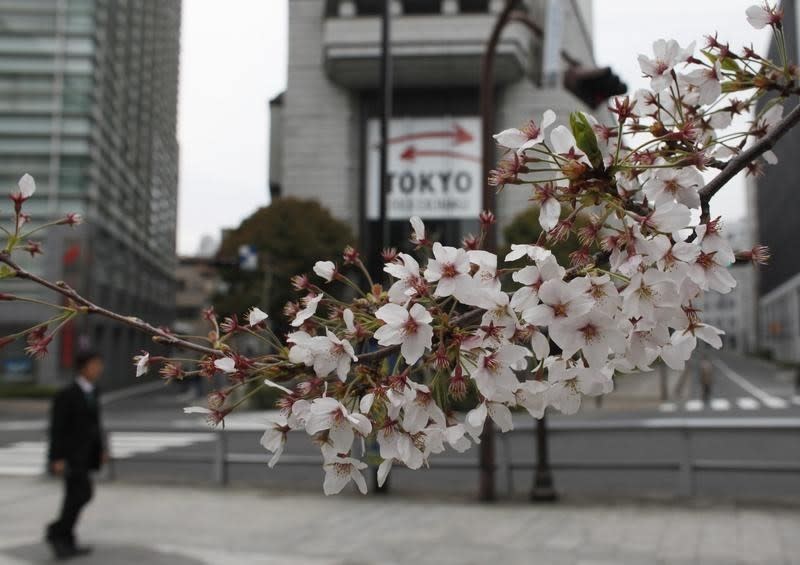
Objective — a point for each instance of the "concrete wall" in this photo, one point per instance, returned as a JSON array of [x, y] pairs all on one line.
[[320, 151]]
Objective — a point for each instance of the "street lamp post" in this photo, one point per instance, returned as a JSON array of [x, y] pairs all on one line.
[[386, 116], [592, 86], [487, 464]]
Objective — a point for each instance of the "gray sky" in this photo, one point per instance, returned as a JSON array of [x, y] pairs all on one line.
[[233, 60]]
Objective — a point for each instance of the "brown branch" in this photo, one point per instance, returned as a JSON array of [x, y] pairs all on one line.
[[744, 158], [91, 308]]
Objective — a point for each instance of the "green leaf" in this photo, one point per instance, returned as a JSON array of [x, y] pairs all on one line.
[[726, 64], [6, 272], [585, 138]]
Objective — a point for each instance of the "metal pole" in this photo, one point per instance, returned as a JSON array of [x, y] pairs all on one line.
[[543, 490], [386, 116], [220, 459], [487, 449]]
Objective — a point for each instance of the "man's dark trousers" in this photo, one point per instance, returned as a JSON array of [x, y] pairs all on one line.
[[77, 493]]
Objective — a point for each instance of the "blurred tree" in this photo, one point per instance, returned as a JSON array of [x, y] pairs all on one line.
[[289, 235]]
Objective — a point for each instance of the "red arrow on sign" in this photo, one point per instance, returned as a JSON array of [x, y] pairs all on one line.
[[411, 153], [459, 135]]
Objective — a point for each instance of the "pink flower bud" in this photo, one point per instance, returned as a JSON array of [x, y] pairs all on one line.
[[38, 349], [350, 255], [758, 255], [300, 282], [34, 248], [470, 242], [389, 254], [457, 387], [71, 219], [171, 371], [230, 324], [216, 399], [487, 218]]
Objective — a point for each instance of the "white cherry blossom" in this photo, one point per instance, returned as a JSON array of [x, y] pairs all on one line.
[[667, 54], [406, 269], [523, 139], [310, 309], [418, 230], [225, 364], [410, 329], [559, 301], [325, 270], [761, 16], [339, 471], [26, 186], [329, 414], [142, 363], [255, 316], [451, 271], [595, 334], [668, 185], [274, 437]]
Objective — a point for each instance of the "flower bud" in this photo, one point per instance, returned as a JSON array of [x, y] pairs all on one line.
[[758, 255], [487, 218], [470, 242], [71, 219], [389, 254], [216, 399], [350, 255], [34, 248], [457, 387]]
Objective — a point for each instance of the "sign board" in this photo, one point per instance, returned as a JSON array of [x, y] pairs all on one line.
[[434, 168], [248, 258]]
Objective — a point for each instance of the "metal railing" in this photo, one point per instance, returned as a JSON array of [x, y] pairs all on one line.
[[683, 461]]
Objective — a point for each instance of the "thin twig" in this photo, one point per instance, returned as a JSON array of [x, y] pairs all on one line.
[[744, 158], [91, 308]]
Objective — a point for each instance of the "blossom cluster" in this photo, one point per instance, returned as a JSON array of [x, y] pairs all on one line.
[[389, 362]]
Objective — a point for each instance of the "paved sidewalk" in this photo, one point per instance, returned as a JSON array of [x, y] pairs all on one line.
[[135, 524]]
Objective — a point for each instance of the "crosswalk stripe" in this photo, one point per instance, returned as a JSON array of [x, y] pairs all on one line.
[[766, 398], [747, 403], [720, 404], [27, 458], [774, 402], [694, 405]]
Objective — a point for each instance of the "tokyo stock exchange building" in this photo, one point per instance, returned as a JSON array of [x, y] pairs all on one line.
[[325, 137]]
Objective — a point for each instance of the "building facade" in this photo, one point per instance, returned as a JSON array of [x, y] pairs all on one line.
[[778, 207], [88, 106], [324, 131]]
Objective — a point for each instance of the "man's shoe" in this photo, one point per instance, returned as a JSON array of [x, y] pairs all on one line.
[[61, 549], [79, 550]]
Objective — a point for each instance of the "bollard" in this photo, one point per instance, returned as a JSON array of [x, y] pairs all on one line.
[[220, 458]]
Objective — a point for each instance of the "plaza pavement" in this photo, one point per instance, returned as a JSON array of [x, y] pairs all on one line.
[[174, 525]]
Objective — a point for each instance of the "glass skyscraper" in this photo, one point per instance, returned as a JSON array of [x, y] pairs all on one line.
[[88, 106]]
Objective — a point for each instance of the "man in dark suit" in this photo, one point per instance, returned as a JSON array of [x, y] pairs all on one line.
[[77, 447]]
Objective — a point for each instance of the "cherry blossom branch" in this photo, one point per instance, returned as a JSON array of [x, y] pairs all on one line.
[[89, 307], [740, 162]]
